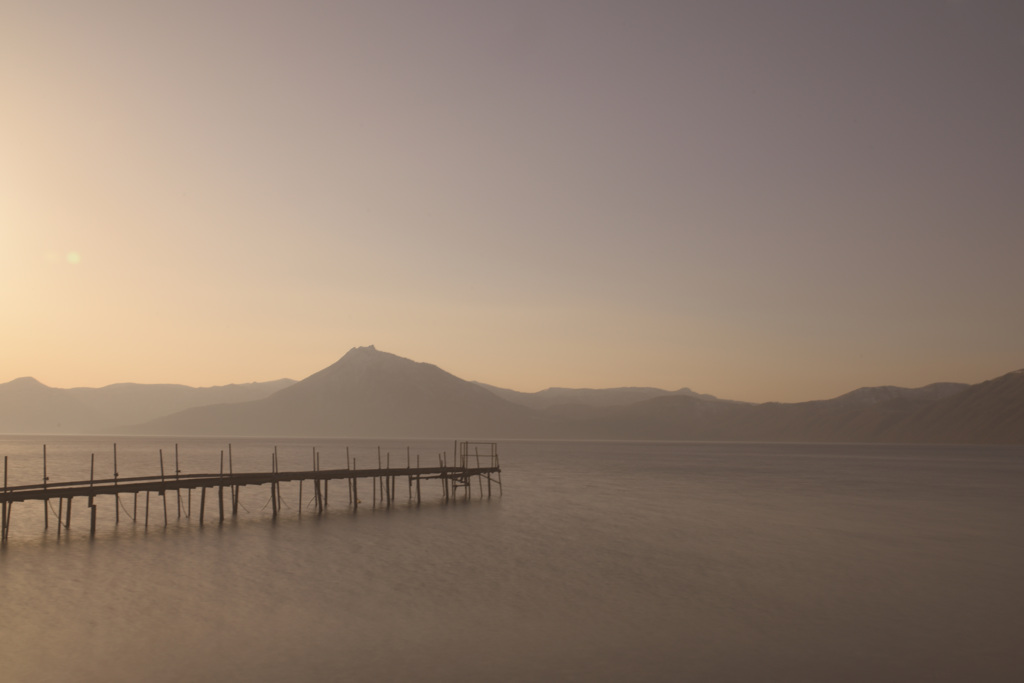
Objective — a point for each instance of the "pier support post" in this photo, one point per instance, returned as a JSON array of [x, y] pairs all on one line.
[[273, 487], [3, 521], [177, 478], [46, 504], [163, 490], [117, 499], [355, 486], [10, 509], [220, 489], [234, 489], [444, 476]]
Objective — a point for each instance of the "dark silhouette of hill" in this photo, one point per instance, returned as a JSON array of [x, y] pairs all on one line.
[[30, 407], [367, 393], [375, 394], [596, 398], [126, 404], [370, 393], [989, 412], [691, 418], [874, 395]]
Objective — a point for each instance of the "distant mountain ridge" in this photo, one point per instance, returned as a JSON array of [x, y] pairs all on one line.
[[371, 393], [29, 407], [558, 396], [871, 395]]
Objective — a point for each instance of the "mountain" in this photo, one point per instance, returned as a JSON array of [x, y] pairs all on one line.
[[863, 416], [874, 395], [127, 404], [371, 393], [989, 412], [367, 393], [30, 407], [595, 398]]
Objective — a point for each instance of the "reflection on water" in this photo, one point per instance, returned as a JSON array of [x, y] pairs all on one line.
[[602, 562]]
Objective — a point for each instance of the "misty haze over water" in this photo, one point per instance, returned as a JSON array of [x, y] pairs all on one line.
[[603, 561]]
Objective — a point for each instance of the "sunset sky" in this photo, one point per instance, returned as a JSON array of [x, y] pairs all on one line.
[[760, 200]]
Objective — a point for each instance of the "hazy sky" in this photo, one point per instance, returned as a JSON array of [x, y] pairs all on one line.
[[776, 200]]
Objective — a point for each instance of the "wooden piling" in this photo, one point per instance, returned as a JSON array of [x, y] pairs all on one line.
[[444, 479], [273, 484], [479, 479], [117, 499], [220, 489], [277, 482], [326, 481], [319, 496], [234, 489], [3, 518], [177, 477], [202, 505], [355, 487], [163, 491], [46, 504]]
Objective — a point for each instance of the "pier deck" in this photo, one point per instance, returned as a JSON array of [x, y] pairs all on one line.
[[457, 481]]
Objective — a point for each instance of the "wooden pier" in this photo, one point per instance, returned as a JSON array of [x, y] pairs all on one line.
[[472, 462]]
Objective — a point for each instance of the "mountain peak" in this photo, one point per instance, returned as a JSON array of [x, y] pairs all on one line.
[[26, 382], [362, 349], [357, 352]]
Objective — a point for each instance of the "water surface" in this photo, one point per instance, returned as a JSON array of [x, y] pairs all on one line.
[[601, 562]]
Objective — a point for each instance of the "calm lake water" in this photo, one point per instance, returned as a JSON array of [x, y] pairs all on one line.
[[602, 561]]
